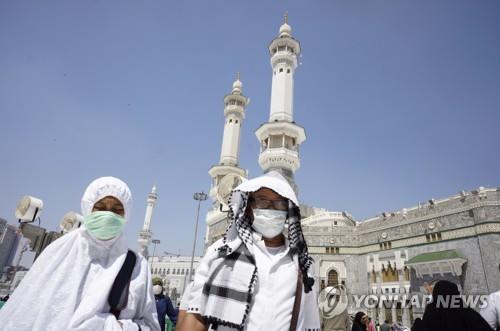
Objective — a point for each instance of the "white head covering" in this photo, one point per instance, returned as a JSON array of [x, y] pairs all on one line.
[[272, 180], [104, 187]]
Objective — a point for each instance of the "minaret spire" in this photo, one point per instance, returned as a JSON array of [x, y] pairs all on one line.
[[234, 112], [145, 235], [281, 137]]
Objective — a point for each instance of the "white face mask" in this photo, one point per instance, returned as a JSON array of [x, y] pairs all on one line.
[[157, 289], [269, 222]]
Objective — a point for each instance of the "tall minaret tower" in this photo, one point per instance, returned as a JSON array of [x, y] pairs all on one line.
[[227, 174], [234, 112], [281, 137], [146, 234]]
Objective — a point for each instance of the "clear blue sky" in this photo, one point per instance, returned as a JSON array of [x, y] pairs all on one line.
[[400, 101]]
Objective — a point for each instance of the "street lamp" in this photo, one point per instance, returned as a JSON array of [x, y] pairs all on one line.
[[155, 242], [199, 196]]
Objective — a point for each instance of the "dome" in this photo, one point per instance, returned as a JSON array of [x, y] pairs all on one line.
[[285, 30], [237, 85]]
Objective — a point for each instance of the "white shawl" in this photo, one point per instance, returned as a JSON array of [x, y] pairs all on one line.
[[68, 285]]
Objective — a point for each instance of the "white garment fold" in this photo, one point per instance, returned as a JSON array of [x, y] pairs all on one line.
[[68, 285]]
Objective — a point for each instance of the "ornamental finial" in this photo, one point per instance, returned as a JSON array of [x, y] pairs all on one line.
[[286, 17]]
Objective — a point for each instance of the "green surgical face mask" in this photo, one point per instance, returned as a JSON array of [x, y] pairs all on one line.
[[104, 225]]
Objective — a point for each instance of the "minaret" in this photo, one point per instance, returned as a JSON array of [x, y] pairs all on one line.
[[227, 174], [146, 234], [280, 138], [234, 112]]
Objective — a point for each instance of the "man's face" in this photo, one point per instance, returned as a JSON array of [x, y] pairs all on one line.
[[266, 198], [109, 203]]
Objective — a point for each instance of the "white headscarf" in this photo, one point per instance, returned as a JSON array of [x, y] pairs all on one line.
[[104, 187], [272, 180], [68, 285]]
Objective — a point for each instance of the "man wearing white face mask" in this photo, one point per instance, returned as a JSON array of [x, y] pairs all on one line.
[[254, 278], [69, 285]]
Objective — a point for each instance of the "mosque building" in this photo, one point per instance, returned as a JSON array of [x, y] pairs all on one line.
[[388, 255]]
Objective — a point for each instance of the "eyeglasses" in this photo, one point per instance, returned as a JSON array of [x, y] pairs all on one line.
[[260, 203]]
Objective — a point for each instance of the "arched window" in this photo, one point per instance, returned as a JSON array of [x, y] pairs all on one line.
[[333, 278], [389, 274]]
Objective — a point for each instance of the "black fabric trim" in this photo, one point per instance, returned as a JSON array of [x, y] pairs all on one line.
[[241, 257], [215, 322], [250, 295], [225, 292]]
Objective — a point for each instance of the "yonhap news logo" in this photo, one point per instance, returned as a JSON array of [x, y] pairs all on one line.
[[332, 301]]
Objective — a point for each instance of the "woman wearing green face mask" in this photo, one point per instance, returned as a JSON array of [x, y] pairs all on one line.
[[107, 218], [67, 287]]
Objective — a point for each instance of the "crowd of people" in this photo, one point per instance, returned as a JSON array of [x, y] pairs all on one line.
[[257, 277], [362, 322]]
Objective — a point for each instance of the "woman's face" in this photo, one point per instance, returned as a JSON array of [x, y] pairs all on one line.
[[364, 319], [109, 203]]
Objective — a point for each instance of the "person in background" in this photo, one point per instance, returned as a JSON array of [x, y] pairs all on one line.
[[447, 312], [359, 323], [491, 312], [164, 305], [385, 326], [397, 327], [417, 325], [68, 286], [370, 324], [339, 321]]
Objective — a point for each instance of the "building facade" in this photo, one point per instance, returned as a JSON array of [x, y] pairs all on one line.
[[388, 256], [174, 272], [399, 252]]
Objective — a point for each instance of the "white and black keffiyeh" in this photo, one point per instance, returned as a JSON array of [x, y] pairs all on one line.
[[230, 287]]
